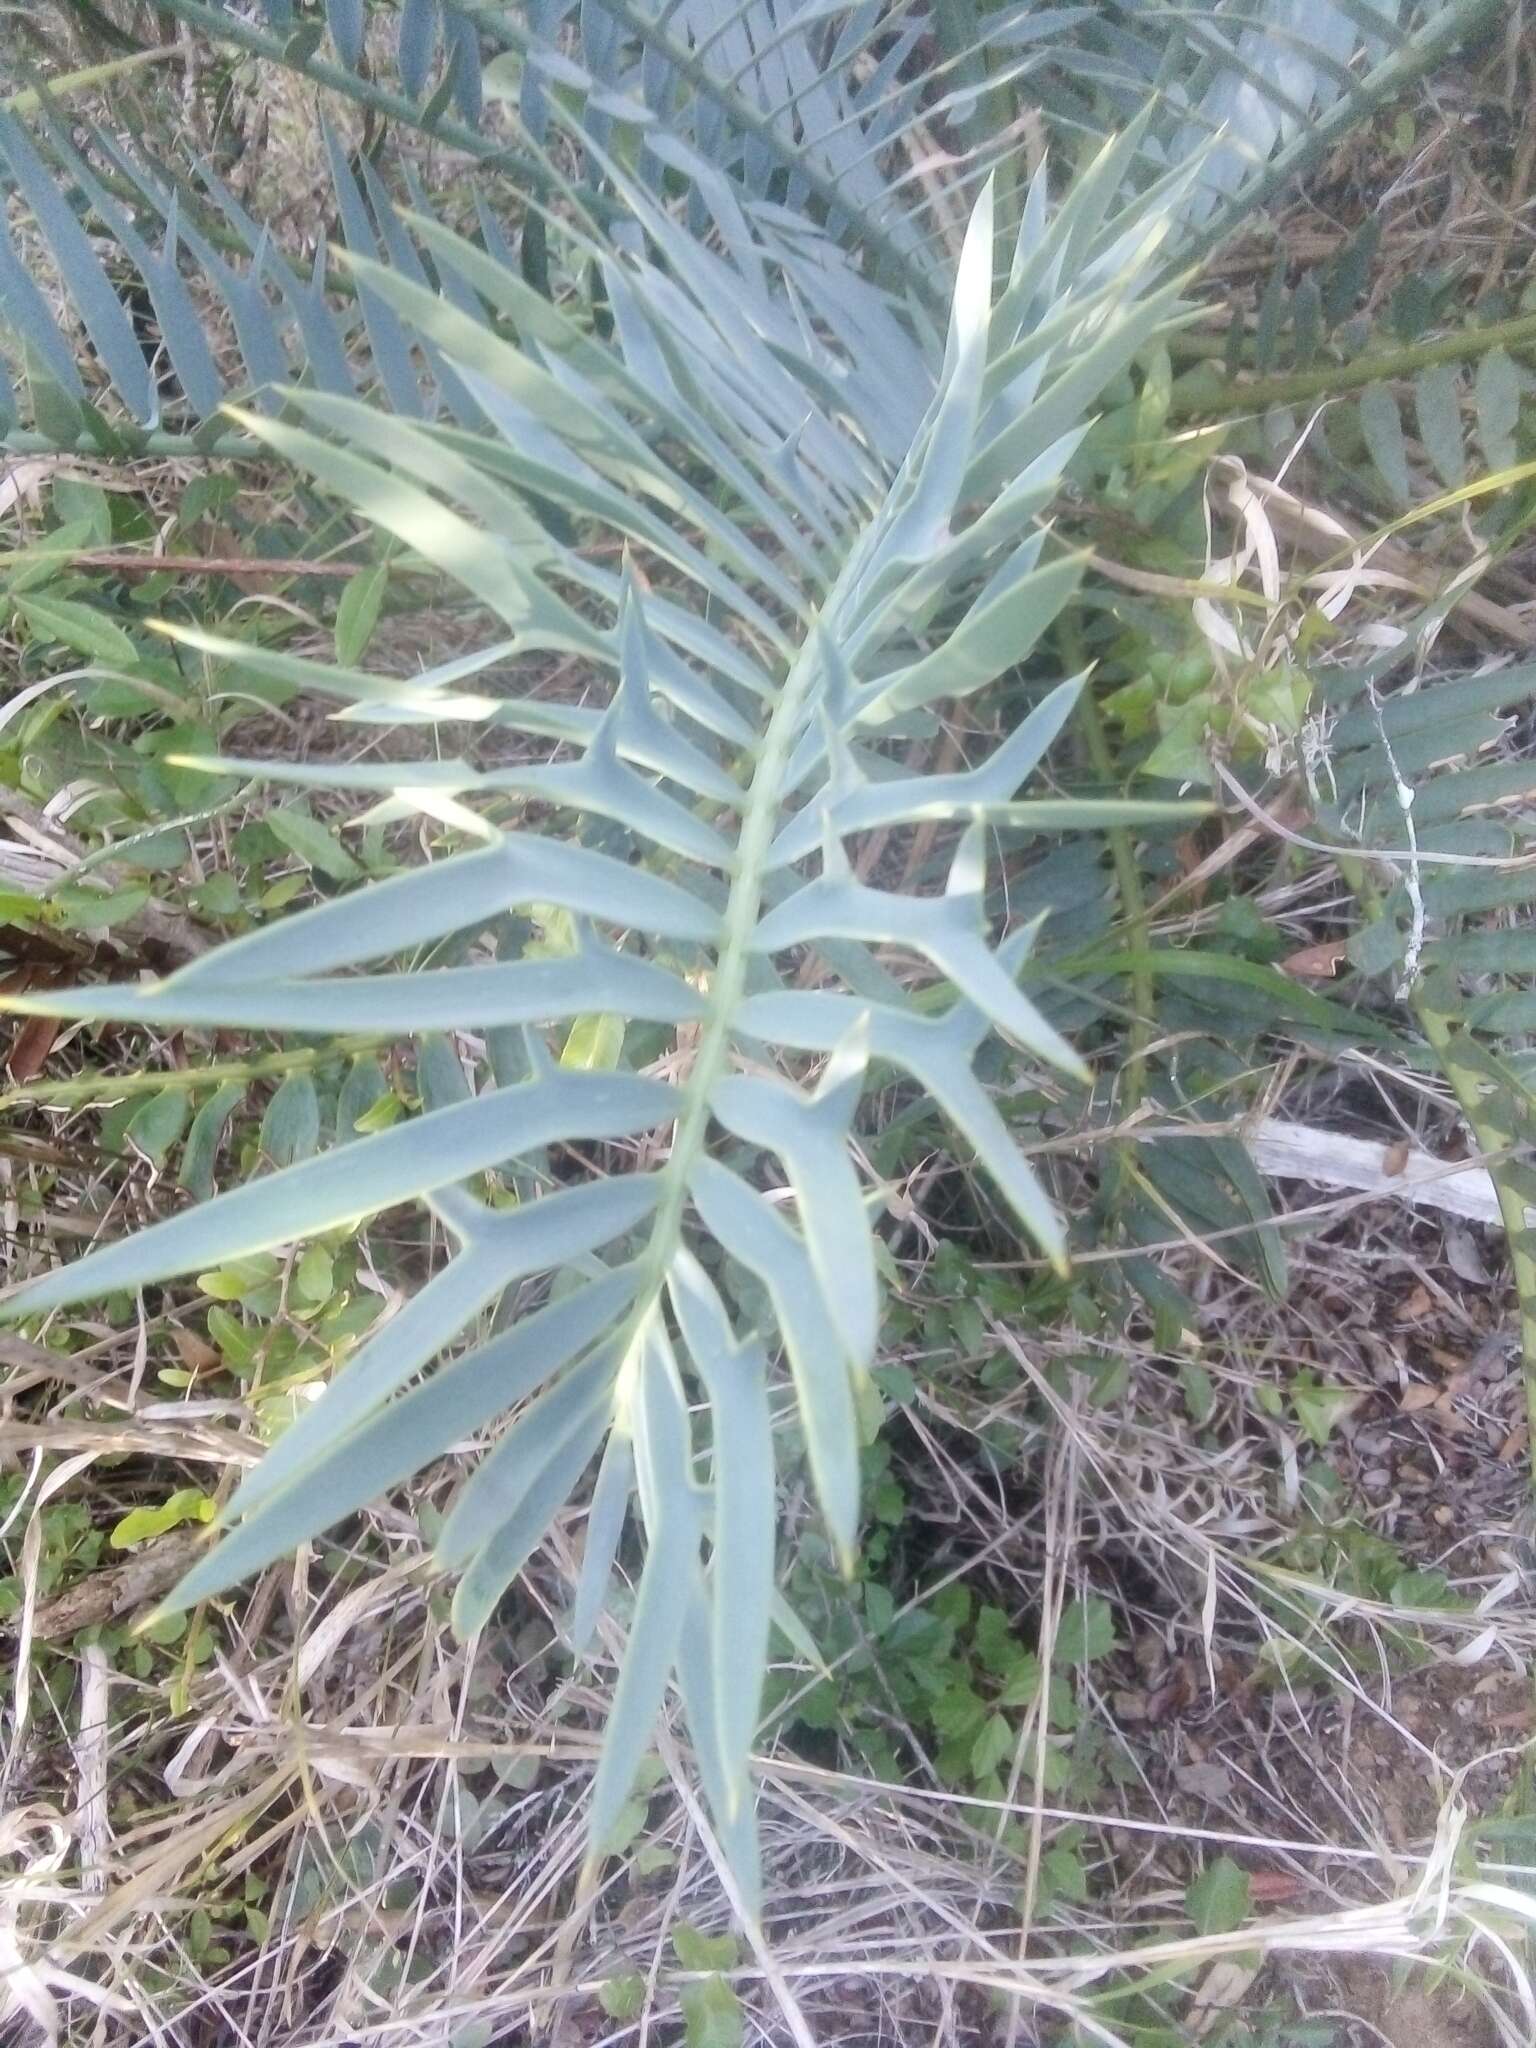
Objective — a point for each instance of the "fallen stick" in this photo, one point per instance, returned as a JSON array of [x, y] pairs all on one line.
[[1287, 1151]]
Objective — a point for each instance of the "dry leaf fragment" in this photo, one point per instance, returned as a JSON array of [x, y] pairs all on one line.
[[1171, 1697], [1204, 1781], [30, 1048], [1224, 1985], [1317, 963], [1463, 1256], [195, 1353], [1416, 1397]]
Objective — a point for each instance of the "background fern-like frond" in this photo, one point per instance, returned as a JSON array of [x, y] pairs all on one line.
[[877, 124]]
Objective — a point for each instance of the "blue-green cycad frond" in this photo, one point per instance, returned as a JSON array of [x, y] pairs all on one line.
[[784, 587], [877, 125]]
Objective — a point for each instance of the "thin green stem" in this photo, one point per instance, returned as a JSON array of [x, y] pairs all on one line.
[[1336, 378], [760, 819], [759, 822], [1133, 900], [113, 1087], [140, 447], [1473, 1102], [34, 98]]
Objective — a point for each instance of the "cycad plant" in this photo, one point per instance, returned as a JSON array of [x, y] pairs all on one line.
[[814, 539], [874, 124], [775, 518]]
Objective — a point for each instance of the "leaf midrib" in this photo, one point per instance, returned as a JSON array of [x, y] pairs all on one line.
[[711, 1059]]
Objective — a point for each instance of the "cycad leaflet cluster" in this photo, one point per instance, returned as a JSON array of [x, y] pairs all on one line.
[[874, 122], [825, 540]]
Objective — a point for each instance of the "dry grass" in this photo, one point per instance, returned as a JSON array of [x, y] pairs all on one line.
[[433, 1792]]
